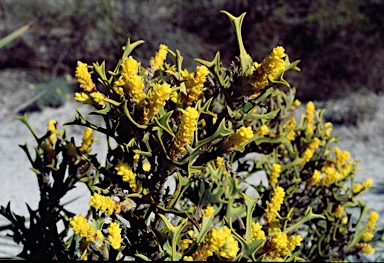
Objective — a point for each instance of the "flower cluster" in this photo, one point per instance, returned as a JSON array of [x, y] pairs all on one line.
[[187, 128], [124, 170], [220, 241], [273, 206], [240, 137]]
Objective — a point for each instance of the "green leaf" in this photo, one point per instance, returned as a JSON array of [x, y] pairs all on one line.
[[214, 68], [221, 131], [245, 58], [163, 122], [126, 111], [12, 36]]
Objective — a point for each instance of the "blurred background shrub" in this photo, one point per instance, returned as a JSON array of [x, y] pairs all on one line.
[[339, 42]]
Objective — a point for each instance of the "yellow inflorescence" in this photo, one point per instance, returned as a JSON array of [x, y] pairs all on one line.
[[161, 55], [103, 203], [80, 226], [316, 177], [187, 128], [290, 126], [309, 116], [308, 153], [281, 244], [274, 205], [257, 232], [220, 241], [331, 175], [114, 236], [194, 82], [87, 140], [130, 81], [242, 136], [270, 67], [83, 98], [275, 174], [98, 97], [373, 217], [262, 130], [366, 248], [52, 128], [209, 210], [158, 98], [126, 172], [84, 77], [339, 211]]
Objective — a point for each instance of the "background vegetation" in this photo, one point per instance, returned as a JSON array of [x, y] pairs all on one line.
[[338, 42]]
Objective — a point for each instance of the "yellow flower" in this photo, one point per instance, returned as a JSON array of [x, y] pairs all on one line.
[[98, 97], [339, 211], [279, 243], [159, 97], [187, 128], [275, 174], [309, 115], [80, 226], [331, 175], [270, 67], [185, 243], [367, 236], [294, 241], [316, 177], [194, 82], [373, 217], [52, 128], [357, 188], [84, 77], [114, 236], [367, 183], [87, 140], [242, 136], [103, 203], [309, 152], [220, 241], [257, 232], [126, 172], [160, 56], [274, 205], [262, 130], [208, 211], [131, 82], [187, 258], [83, 97], [366, 248], [295, 104]]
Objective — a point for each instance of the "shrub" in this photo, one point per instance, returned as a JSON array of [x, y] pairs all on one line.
[[208, 131]]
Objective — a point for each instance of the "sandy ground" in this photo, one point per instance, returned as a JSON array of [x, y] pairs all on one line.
[[19, 184]]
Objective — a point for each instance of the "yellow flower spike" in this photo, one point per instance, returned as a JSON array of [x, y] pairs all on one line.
[[373, 217], [279, 243], [275, 174], [220, 241], [114, 236], [357, 188], [159, 58], [126, 172], [316, 177], [366, 248], [187, 128], [84, 77], [240, 137], [262, 130], [331, 175], [209, 210], [367, 183], [87, 140], [135, 86], [339, 211], [309, 116], [257, 233], [294, 241], [52, 128], [159, 96], [83, 98], [275, 203], [185, 243], [270, 67], [308, 153], [103, 203], [98, 97], [80, 226], [194, 83], [296, 103], [130, 67]]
